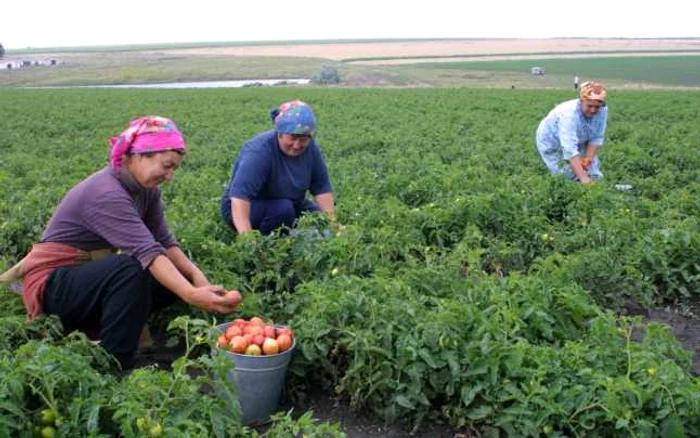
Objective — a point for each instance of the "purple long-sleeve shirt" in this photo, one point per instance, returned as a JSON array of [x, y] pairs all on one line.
[[110, 209]]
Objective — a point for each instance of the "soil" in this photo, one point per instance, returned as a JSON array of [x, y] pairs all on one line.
[[686, 327], [363, 424]]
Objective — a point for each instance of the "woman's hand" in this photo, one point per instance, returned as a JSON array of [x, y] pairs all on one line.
[[336, 227], [214, 299], [585, 163]]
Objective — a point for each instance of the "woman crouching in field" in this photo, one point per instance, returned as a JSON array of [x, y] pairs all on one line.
[[107, 258], [574, 131], [273, 172]]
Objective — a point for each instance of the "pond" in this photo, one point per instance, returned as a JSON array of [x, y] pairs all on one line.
[[203, 84]]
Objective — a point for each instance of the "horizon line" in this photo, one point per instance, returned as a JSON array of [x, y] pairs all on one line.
[[327, 41]]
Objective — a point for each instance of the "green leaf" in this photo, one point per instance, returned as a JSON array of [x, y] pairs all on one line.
[[93, 422], [672, 428], [480, 413], [425, 354], [11, 407], [404, 401], [469, 392]]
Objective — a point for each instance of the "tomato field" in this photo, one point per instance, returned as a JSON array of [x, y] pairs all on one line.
[[469, 287]]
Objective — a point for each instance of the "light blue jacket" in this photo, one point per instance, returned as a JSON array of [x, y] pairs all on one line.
[[566, 129]]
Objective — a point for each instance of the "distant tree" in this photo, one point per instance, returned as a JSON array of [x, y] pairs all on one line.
[[328, 75], [2, 51]]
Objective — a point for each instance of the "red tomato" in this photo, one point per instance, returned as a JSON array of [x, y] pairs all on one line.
[[270, 347], [233, 331], [222, 341], [284, 342], [269, 331], [285, 331], [254, 330], [238, 344]]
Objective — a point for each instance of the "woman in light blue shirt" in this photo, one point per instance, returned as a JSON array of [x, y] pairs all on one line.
[[573, 132]]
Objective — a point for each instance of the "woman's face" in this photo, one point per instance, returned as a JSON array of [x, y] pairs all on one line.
[[293, 145], [590, 107], [152, 169]]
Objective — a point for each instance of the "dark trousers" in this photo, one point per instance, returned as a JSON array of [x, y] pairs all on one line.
[[267, 215], [114, 294]]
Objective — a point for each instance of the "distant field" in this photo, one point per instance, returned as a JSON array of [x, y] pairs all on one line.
[[353, 49], [403, 60], [343, 51], [375, 63], [670, 70], [199, 45], [153, 67]]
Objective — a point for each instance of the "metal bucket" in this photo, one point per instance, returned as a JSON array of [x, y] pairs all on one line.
[[259, 381]]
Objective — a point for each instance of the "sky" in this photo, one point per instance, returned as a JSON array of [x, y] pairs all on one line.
[[51, 23]]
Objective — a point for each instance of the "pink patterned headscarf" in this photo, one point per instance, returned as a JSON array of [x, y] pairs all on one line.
[[144, 135]]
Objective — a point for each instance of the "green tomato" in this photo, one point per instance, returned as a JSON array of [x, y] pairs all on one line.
[[142, 424], [548, 429], [48, 417], [156, 430], [48, 432]]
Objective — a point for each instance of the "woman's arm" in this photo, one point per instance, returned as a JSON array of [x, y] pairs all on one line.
[[577, 167], [591, 150], [240, 211], [250, 176], [208, 297], [186, 266], [325, 203]]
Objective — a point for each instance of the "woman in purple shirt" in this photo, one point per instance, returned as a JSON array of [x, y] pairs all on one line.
[[107, 258], [273, 172]]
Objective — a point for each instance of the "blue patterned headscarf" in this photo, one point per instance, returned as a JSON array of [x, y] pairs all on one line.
[[294, 117]]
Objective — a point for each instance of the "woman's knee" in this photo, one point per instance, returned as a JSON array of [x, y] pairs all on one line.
[[129, 281], [128, 267]]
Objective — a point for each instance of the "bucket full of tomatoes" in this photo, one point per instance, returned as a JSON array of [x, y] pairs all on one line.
[[261, 353]]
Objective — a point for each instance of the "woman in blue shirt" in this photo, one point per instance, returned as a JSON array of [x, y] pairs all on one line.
[[273, 172], [573, 131]]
